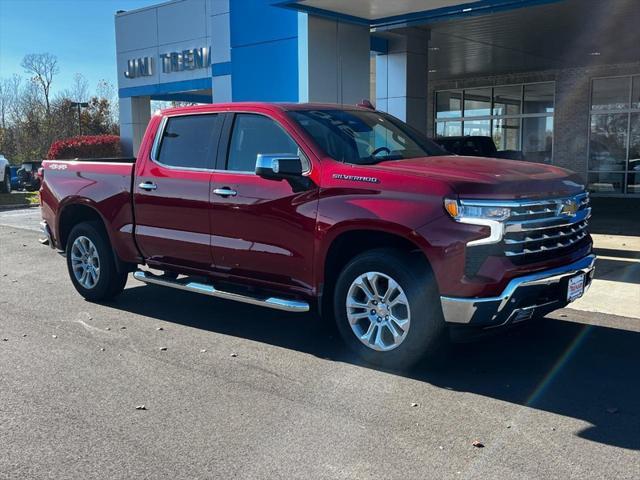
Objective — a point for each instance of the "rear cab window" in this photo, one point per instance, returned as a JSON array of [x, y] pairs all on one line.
[[189, 141]]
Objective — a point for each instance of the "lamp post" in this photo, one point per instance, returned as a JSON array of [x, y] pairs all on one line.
[[79, 105]]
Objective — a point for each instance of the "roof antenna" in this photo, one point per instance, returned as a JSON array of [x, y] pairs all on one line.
[[364, 103]]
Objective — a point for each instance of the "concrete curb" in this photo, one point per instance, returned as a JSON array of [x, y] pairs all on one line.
[[18, 206]]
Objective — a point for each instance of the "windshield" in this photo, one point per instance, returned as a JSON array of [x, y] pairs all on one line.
[[363, 137]]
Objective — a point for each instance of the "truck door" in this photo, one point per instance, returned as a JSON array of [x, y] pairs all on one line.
[[261, 229], [172, 192]]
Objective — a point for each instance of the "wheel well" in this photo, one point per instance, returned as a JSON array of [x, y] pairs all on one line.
[[72, 216], [349, 244]]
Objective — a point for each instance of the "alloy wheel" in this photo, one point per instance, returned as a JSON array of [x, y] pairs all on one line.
[[378, 311], [85, 262]]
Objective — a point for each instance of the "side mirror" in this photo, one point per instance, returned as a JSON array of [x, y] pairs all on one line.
[[278, 166]]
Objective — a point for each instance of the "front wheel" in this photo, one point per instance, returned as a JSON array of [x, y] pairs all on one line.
[[91, 263], [387, 308]]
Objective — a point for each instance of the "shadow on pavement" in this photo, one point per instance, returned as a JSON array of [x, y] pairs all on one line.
[[587, 372]]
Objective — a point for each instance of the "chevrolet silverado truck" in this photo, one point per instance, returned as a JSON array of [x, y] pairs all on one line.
[[343, 210]]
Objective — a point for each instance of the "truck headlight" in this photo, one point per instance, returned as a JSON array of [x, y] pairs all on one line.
[[476, 213]]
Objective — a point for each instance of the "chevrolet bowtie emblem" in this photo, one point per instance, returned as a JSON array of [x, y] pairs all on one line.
[[568, 208]]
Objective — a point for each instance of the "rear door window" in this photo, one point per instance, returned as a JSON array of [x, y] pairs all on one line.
[[190, 141]]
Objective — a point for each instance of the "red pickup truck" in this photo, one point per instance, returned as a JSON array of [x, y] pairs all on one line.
[[340, 209]]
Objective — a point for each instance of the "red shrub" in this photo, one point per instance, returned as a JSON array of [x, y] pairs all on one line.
[[96, 146]]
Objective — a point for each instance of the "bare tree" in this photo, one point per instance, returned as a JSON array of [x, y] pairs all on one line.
[[5, 102], [80, 90], [43, 67], [106, 90], [9, 97], [14, 89]]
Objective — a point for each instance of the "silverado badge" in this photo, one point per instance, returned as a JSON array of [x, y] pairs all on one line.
[[355, 178]]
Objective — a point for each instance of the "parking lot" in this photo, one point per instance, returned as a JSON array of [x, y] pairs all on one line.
[[165, 384]]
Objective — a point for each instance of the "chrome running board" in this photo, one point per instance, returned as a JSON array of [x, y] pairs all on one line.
[[208, 289]]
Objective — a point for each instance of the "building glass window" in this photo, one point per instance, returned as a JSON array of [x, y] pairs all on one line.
[[449, 129], [538, 98], [449, 104], [507, 100], [614, 136], [610, 93], [635, 94], [518, 118], [477, 128], [537, 138], [477, 102], [506, 133], [633, 175]]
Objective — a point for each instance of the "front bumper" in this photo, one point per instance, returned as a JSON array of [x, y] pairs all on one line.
[[539, 293]]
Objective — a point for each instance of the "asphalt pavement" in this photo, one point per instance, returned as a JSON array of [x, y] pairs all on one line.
[[235, 391]]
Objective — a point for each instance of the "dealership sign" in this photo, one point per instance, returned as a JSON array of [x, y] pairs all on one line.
[[190, 59]]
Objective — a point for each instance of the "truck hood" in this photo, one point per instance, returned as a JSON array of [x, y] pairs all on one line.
[[480, 177]]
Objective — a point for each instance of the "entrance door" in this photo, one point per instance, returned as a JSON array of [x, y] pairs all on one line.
[[172, 193], [261, 229]]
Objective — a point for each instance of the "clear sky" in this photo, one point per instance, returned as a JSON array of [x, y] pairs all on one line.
[[79, 32]]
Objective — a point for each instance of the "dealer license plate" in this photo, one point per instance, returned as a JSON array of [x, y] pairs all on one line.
[[575, 288]]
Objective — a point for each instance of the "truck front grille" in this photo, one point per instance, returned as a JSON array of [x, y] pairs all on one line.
[[546, 226], [537, 230]]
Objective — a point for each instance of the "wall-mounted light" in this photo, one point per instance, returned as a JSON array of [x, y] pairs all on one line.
[[594, 54]]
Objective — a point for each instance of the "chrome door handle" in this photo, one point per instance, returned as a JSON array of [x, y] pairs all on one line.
[[147, 186], [225, 192]]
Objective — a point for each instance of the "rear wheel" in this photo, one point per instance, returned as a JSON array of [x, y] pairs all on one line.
[[91, 263], [387, 309]]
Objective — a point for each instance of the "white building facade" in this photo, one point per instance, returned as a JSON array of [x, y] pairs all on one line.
[[557, 80]]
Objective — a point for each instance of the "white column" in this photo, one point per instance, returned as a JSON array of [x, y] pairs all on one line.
[[333, 60], [220, 48], [135, 113], [401, 78]]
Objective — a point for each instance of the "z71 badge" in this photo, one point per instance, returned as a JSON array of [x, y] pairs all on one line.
[[58, 166], [355, 178]]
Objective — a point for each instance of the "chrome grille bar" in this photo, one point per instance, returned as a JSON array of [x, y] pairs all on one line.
[[544, 237], [537, 227], [527, 251], [548, 222]]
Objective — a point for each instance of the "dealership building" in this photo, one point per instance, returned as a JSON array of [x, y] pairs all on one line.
[[557, 81]]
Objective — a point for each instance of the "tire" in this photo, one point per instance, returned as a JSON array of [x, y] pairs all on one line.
[[416, 300], [107, 282], [5, 186]]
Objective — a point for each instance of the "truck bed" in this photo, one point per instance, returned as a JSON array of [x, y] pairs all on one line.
[[104, 184]]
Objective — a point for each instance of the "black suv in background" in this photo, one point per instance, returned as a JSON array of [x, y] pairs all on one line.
[[28, 176], [476, 146]]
